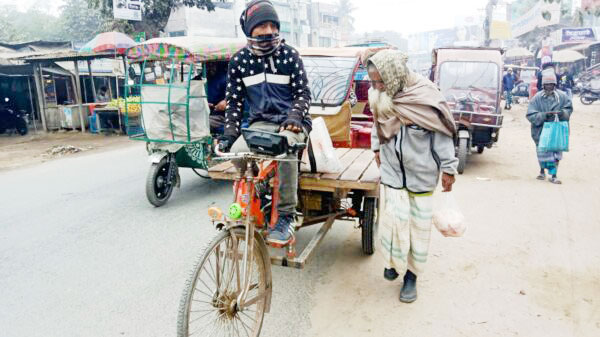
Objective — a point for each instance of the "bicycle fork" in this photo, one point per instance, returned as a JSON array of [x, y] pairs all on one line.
[[249, 237]]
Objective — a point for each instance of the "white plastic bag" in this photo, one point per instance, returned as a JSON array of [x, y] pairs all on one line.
[[325, 157], [447, 217]]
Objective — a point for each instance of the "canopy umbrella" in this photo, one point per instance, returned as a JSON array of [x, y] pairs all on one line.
[[566, 56], [517, 52], [109, 41]]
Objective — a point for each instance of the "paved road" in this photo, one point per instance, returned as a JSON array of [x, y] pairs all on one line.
[[82, 252]]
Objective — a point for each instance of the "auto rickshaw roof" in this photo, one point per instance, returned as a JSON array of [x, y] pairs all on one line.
[[476, 54], [514, 66], [189, 49], [339, 51]]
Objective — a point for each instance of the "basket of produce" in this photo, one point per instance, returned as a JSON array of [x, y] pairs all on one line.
[[133, 108]]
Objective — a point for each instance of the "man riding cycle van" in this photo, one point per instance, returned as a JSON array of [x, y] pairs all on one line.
[[269, 76]]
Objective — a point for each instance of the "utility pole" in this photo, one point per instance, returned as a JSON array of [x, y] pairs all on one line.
[[489, 11]]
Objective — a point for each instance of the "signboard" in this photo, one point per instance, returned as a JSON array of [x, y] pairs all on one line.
[[546, 54], [128, 9], [534, 18], [590, 4], [577, 35], [139, 37]]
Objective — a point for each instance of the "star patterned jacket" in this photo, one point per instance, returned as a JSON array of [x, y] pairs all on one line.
[[275, 87]]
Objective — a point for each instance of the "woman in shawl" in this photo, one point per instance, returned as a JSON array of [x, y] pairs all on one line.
[[412, 138]]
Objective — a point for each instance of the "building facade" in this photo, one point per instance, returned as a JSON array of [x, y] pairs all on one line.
[[303, 23]]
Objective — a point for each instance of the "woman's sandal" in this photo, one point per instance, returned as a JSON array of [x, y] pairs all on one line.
[[555, 180]]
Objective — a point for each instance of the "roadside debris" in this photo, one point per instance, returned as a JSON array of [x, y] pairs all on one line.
[[60, 150]]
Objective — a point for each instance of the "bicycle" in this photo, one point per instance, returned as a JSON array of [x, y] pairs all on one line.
[[222, 298]]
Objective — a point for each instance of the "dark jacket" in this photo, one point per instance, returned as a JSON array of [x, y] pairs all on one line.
[[541, 104], [508, 82], [274, 86]]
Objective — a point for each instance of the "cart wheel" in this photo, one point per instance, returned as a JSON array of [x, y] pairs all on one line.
[[369, 222], [480, 149], [209, 301], [463, 150], [158, 189]]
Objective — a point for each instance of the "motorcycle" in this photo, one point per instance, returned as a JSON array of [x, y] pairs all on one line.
[[590, 92], [11, 119]]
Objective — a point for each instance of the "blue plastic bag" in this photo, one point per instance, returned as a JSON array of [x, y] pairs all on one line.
[[554, 137]]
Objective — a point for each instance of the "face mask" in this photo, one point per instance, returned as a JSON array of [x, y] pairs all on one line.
[[264, 44]]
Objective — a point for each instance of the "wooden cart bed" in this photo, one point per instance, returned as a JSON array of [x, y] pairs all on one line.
[[359, 172]]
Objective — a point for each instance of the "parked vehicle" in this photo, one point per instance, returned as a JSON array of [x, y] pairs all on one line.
[[339, 88], [471, 81], [12, 119], [590, 91], [169, 75]]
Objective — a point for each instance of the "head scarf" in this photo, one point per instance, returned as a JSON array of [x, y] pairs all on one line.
[[416, 99], [391, 65]]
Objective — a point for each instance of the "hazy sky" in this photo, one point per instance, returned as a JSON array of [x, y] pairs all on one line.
[[407, 16], [404, 16]]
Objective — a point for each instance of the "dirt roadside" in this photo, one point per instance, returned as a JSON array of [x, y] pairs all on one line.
[[528, 265], [36, 147]]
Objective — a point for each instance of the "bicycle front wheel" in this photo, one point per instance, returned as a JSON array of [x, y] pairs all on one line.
[[209, 304]]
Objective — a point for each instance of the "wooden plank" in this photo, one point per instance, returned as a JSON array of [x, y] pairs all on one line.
[[329, 185], [221, 166], [371, 174], [347, 161], [355, 171]]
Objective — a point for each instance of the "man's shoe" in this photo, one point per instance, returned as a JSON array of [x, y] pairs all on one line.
[[408, 294], [283, 232], [390, 274]]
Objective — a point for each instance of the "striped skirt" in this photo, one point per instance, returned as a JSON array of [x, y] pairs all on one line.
[[404, 229]]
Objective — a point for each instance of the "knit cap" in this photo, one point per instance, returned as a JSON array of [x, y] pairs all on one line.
[[256, 13], [548, 77]]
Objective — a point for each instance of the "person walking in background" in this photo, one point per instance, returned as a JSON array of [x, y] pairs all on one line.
[[508, 84], [412, 137], [547, 106], [566, 82]]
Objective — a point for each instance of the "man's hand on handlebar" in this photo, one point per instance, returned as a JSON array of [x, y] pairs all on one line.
[[291, 124]]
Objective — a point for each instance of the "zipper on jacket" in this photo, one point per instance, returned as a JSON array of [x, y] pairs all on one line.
[[401, 157], [434, 154]]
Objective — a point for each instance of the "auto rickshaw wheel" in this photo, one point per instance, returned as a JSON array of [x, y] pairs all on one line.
[[463, 151], [158, 186], [480, 149], [368, 223]]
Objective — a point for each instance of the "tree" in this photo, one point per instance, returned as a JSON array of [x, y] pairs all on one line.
[[34, 24], [155, 14], [345, 9], [79, 22]]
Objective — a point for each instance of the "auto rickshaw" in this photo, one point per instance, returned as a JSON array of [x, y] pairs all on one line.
[[170, 77], [471, 81], [339, 85]]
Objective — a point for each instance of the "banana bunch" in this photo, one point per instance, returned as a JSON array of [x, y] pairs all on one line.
[[133, 108]]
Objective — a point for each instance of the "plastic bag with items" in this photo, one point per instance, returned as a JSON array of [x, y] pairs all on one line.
[[325, 159], [447, 217]]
